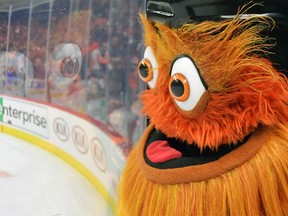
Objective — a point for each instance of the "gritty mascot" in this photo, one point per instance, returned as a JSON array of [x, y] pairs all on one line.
[[217, 104]]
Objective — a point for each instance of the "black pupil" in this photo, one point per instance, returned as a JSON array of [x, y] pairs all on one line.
[[143, 69], [177, 88]]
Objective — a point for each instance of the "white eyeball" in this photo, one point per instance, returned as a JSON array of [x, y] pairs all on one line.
[[148, 68], [186, 85]]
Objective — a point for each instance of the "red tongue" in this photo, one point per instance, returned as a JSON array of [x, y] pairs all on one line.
[[160, 151]]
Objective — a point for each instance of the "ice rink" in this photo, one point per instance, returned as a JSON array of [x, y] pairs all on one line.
[[34, 182]]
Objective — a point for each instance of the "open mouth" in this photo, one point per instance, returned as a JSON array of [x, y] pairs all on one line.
[[167, 160], [164, 153]]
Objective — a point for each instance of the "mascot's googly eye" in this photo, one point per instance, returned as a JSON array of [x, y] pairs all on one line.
[[179, 87], [148, 68], [186, 84], [145, 70]]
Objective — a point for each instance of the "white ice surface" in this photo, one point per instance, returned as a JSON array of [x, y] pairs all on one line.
[[33, 182]]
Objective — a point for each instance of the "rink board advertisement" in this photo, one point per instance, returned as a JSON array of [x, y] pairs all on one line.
[[22, 115], [86, 146]]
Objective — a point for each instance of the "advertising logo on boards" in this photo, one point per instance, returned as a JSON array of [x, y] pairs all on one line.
[[98, 154], [80, 139], [61, 129], [1, 109], [26, 115]]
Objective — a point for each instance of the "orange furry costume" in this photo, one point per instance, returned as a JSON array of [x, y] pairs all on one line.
[[220, 150]]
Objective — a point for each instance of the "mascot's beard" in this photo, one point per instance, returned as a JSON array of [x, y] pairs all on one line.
[[255, 186]]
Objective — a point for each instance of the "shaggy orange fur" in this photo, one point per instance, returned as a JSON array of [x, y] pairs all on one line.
[[246, 94], [258, 187]]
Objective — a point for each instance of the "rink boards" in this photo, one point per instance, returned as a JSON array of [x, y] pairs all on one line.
[[87, 145]]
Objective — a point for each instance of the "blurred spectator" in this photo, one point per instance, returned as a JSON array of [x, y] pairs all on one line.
[[100, 61], [39, 69]]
